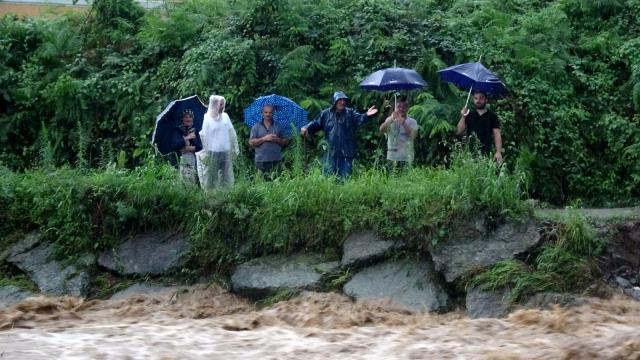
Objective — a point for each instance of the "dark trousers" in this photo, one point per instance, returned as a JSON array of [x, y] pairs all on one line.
[[394, 167], [268, 167], [339, 166]]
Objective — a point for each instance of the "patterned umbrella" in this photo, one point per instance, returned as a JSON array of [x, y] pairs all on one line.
[[286, 112]]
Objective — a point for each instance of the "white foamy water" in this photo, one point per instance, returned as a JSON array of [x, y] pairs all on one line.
[[208, 323]]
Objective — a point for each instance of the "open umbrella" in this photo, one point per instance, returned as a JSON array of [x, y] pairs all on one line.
[[393, 79], [171, 116], [474, 76], [286, 112]]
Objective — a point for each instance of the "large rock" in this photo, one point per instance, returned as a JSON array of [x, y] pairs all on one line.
[[546, 300], [52, 277], [409, 283], [471, 246], [147, 254], [141, 289], [487, 303], [10, 295], [270, 274], [364, 248]]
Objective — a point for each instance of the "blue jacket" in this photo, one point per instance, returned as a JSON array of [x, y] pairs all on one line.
[[340, 130], [177, 140]]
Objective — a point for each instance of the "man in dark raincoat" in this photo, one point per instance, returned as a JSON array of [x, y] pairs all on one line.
[[339, 124]]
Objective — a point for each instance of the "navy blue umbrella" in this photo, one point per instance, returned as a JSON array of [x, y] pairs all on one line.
[[393, 79], [171, 116], [474, 76], [286, 112]]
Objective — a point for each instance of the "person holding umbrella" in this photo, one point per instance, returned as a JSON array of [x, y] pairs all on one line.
[[400, 130], [267, 138], [339, 124], [483, 123], [219, 147], [186, 142]]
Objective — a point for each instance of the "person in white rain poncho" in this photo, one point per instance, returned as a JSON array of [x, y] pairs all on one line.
[[219, 147]]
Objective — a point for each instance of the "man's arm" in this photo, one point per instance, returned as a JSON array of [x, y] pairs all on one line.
[[462, 123], [314, 126], [361, 119], [497, 141], [254, 141], [282, 140], [385, 125], [410, 129]]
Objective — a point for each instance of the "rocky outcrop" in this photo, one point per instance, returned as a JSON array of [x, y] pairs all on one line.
[[546, 300], [147, 254], [53, 278], [471, 246], [410, 283], [487, 303], [364, 248], [141, 289], [271, 274], [10, 295]]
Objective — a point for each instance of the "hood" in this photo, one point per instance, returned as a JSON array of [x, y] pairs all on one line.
[[337, 96]]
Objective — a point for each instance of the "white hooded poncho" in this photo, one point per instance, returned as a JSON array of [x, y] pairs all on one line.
[[219, 146]]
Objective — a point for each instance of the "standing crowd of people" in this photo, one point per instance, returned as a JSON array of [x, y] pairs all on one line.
[[207, 156]]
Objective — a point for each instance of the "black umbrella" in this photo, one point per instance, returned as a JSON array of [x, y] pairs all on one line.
[[171, 116], [474, 76]]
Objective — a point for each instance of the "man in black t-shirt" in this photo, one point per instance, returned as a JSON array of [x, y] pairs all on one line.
[[483, 123]]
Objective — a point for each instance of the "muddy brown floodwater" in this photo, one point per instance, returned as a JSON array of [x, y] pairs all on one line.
[[209, 323]]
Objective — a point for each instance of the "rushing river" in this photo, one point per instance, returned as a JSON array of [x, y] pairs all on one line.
[[209, 323]]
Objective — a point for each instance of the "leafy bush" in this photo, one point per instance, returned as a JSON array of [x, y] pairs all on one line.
[[96, 81]]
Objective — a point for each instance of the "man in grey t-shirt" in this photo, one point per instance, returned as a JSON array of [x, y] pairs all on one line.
[[400, 131], [268, 139]]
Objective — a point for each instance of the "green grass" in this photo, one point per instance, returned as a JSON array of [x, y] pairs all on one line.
[[282, 295], [88, 211], [562, 265]]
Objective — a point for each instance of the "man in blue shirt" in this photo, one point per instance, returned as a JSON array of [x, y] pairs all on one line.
[[339, 124], [268, 139]]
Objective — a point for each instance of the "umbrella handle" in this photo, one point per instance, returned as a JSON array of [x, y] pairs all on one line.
[[471, 88]]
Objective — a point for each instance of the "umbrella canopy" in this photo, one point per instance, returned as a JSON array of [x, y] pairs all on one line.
[[474, 76], [286, 112], [171, 116], [393, 79]]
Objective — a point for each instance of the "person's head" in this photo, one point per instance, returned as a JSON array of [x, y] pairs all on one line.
[[340, 101], [402, 106], [267, 113], [480, 99], [187, 118], [216, 106]]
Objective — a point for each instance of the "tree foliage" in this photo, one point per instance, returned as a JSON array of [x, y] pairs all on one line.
[[88, 86]]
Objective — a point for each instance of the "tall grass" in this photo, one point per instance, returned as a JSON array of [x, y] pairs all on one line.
[[89, 211], [561, 265]]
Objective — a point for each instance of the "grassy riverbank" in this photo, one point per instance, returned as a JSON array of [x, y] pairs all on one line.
[[90, 210]]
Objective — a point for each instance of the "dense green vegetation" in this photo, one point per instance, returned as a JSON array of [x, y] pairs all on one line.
[[90, 211], [84, 89]]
